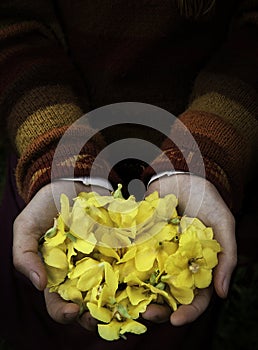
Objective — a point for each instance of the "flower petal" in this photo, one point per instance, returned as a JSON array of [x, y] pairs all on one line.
[[132, 326], [202, 278], [136, 294], [65, 209], [91, 277], [145, 257], [55, 257], [81, 223], [82, 266], [210, 257], [145, 212], [99, 313], [110, 331], [85, 246], [183, 295], [184, 279], [55, 276], [69, 291]]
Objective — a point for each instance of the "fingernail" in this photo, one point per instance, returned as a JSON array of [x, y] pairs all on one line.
[[34, 277], [70, 316]]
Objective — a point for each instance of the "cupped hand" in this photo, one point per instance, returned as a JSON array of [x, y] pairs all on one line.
[[29, 226], [197, 197]]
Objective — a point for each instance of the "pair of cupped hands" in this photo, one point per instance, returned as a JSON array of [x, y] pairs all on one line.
[[192, 191]]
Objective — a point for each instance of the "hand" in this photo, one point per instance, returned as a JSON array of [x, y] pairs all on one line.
[[199, 198], [29, 226]]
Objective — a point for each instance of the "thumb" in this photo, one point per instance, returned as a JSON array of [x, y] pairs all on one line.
[[25, 254]]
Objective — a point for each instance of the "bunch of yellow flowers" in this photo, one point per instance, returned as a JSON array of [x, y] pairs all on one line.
[[115, 256]]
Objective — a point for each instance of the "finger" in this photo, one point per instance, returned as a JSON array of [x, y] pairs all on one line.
[[88, 322], [157, 313], [223, 273], [227, 258], [189, 313], [25, 255], [61, 311]]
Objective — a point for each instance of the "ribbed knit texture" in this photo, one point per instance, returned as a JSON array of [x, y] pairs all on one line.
[[61, 59]]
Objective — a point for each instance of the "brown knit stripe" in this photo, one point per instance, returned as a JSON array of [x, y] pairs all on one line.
[[18, 48], [33, 64], [9, 31]]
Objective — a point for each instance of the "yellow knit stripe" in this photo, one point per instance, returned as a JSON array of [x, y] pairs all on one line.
[[39, 98], [38, 174], [43, 120]]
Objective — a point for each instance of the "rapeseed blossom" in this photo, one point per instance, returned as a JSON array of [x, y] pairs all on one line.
[[115, 256]]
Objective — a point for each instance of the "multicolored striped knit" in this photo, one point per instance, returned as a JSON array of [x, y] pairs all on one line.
[[60, 59]]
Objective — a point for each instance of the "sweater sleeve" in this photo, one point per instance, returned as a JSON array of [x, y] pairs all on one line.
[[222, 113], [41, 95]]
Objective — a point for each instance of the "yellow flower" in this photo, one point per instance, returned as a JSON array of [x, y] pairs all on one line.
[[56, 235], [81, 223], [165, 207], [93, 199], [153, 285], [192, 263], [100, 313], [115, 256], [123, 212], [113, 238], [127, 268], [89, 273], [65, 209], [183, 295], [145, 212], [56, 265], [109, 286], [69, 291], [157, 248], [116, 329]]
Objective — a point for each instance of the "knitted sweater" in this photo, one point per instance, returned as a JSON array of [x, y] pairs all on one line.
[[62, 58]]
